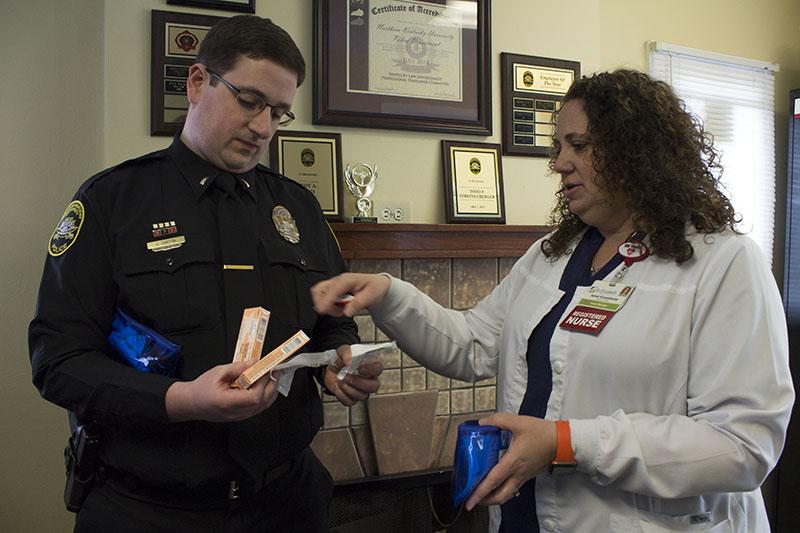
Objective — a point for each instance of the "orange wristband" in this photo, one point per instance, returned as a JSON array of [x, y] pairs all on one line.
[[565, 460]]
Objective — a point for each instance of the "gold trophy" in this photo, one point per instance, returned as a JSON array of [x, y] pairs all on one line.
[[360, 179]]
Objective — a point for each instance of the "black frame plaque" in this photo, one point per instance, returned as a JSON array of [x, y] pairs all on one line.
[[175, 40], [381, 64], [473, 181], [314, 160], [245, 6], [533, 89]]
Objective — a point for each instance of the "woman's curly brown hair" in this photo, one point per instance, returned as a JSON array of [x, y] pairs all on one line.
[[646, 145]]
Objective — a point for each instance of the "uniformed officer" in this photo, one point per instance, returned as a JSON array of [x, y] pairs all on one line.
[[183, 240]]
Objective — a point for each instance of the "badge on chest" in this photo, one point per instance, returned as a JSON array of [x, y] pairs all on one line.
[[599, 305]]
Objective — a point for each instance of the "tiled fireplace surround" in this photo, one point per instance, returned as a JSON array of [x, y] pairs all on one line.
[[456, 265]]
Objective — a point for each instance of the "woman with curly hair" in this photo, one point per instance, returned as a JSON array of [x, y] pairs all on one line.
[[640, 348]]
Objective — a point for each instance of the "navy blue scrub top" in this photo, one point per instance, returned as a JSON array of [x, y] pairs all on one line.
[[519, 513]]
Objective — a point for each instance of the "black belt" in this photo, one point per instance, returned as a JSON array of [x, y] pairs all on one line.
[[220, 494]]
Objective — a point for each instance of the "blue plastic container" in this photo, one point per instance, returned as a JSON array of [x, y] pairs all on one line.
[[477, 451]]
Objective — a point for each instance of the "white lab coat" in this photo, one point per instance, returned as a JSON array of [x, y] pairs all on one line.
[[678, 408]]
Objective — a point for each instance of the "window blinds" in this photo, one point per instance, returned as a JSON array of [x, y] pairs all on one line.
[[735, 99]]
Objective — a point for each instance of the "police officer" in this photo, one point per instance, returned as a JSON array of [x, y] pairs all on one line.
[[183, 240]]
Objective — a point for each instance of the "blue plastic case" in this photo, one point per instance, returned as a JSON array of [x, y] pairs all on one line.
[[477, 451], [141, 347]]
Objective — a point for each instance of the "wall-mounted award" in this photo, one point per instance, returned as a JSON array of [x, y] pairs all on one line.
[[314, 160], [533, 89], [176, 39], [246, 6], [473, 183]]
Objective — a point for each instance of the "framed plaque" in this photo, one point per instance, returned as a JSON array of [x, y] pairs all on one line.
[[403, 64], [314, 160], [176, 39], [246, 6], [533, 89], [473, 183]]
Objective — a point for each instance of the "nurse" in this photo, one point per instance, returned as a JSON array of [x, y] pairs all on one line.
[[640, 347]]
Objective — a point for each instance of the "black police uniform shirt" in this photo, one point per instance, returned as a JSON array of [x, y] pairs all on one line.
[[99, 260]]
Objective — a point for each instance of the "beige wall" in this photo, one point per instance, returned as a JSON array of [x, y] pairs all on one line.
[[75, 98], [51, 119]]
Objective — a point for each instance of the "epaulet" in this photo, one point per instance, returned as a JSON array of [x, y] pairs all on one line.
[[130, 163], [267, 170]]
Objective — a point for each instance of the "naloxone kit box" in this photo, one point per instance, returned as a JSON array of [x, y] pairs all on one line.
[[252, 332]]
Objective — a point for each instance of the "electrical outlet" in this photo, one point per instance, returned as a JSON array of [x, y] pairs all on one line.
[[393, 211]]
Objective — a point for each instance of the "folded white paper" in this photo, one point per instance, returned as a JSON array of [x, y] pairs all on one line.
[[362, 354], [303, 360]]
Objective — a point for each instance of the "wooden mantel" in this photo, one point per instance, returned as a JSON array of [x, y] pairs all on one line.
[[393, 241]]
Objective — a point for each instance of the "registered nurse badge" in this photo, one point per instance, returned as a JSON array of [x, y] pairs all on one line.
[[66, 232], [285, 224]]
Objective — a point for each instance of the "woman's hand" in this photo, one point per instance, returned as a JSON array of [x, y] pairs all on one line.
[[347, 294], [533, 447]]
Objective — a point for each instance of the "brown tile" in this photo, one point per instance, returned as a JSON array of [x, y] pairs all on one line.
[[431, 276], [443, 403], [366, 328], [407, 361], [449, 445], [390, 358], [414, 379], [337, 451], [461, 401], [380, 336], [335, 415], [485, 398], [366, 450], [402, 430], [436, 381], [458, 384], [473, 278], [358, 414], [504, 267], [439, 431], [375, 266], [390, 382], [490, 381]]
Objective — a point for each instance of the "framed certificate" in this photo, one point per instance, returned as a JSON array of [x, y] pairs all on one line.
[[176, 39], [246, 6], [473, 183], [403, 64], [314, 160], [533, 89]]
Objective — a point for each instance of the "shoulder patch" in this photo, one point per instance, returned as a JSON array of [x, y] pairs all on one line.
[[67, 230]]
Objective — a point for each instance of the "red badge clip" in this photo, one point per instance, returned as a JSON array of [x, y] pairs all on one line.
[[633, 252]]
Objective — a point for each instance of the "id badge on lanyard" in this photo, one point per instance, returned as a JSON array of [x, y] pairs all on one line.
[[604, 299]]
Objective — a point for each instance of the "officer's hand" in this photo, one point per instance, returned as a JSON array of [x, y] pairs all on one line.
[[533, 447], [353, 388], [211, 398], [366, 290]]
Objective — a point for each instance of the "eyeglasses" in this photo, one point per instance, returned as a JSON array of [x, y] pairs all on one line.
[[254, 104]]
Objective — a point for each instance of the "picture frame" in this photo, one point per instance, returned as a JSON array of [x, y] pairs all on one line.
[[175, 41], [245, 6], [314, 160], [370, 72], [473, 183], [532, 90]]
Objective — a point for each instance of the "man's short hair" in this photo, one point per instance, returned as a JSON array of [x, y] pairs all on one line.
[[253, 37]]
